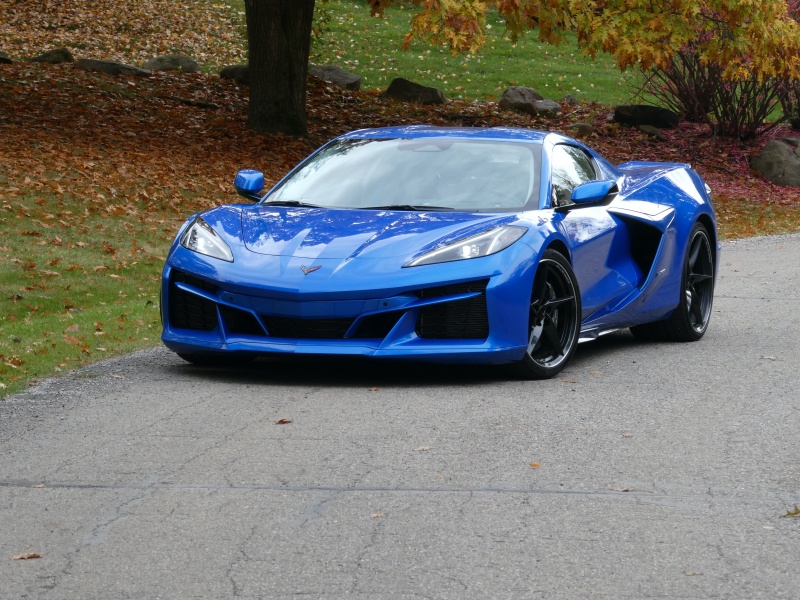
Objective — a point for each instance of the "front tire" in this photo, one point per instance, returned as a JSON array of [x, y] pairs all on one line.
[[690, 320], [554, 321]]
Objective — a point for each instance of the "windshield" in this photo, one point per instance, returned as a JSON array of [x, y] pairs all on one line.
[[415, 174]]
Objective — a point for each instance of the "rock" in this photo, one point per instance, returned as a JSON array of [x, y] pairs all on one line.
[[337, 76], [112, 68], [779, 162], [54, 57], [239, 73], [172, 62], [546, 108], [520, 99], [653, 132], [4, 60], [583, 129], [403, 89], [644, 114], [570, 100]]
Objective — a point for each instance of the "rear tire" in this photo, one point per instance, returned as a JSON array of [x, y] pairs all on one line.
[[690, 320], [554, 320]]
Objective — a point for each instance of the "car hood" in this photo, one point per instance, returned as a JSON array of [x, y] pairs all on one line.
[[317, 233]]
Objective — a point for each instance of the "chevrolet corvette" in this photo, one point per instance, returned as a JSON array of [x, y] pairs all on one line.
[[460, 245]]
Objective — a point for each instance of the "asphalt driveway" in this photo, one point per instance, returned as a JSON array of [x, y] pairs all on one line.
[[643, 471]]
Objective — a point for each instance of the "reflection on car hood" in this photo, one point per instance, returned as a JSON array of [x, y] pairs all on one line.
[[340, 234]]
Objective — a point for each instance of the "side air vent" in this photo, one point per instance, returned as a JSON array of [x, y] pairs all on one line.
[[190, 311]]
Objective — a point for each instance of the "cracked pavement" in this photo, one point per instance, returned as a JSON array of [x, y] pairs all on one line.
[[664, 470]]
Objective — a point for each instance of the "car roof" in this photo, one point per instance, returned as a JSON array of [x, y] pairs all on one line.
[[429, 131]]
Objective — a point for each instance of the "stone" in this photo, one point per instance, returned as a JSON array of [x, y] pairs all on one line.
[[779, 162], [337, 76], [403, 89], [520, 99], [4, 59], [173, 62], [570, 100], [583, 129], [546, 108], [54, 57], [653, 132], [239, 73], [645, 114], [112, 68]]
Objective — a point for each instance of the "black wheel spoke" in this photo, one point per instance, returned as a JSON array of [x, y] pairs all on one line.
[[542, 298], [696, 308], [558, 301], [698, 278], [551, 334], [695, 253]]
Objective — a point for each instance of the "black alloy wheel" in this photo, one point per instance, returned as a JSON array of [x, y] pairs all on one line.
[[691, 317], [554, 321]]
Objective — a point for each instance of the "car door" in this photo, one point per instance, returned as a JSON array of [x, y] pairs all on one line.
[[591, 232]]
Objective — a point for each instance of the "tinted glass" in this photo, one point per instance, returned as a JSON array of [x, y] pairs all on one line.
[[463, 175], [570, 167]]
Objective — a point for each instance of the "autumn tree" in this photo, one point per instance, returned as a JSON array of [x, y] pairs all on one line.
[[748, 38]]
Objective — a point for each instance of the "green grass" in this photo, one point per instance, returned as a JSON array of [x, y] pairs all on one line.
[[79, 284], [371, 47]]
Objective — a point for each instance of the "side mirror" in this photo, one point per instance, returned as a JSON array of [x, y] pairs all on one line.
[[249, 183], [593, 191]]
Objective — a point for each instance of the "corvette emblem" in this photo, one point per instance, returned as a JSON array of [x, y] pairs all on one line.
[[306, 270]]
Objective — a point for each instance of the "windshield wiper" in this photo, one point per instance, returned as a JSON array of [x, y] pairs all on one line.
[[418, 208], [291, 203]]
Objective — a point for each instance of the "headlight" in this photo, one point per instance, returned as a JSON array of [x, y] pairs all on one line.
[[201, 238], [476, 246]]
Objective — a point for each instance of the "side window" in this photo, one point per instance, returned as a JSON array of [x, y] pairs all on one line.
[[570, 167]]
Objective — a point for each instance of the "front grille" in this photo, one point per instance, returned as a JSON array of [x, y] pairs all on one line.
[[459, 319], [377, 326], [310, 329], [240, 321]]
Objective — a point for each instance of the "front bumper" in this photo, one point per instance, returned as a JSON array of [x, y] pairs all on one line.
[[468, 312]]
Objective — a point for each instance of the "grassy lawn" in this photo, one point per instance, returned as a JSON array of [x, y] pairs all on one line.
[[371, 47], [97, 172]]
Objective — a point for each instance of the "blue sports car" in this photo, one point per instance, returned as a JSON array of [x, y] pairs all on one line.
[[501, 246]]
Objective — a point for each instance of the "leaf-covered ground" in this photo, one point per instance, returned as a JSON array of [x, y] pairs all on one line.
[[129, 31], [177, 139]]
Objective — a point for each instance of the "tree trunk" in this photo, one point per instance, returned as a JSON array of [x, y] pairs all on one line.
[[279, 38]]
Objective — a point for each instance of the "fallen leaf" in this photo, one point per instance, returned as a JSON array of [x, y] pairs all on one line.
[[627, 435], [283, 421], [377, 515], [26, 556], [535, 465], [792, 513]]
